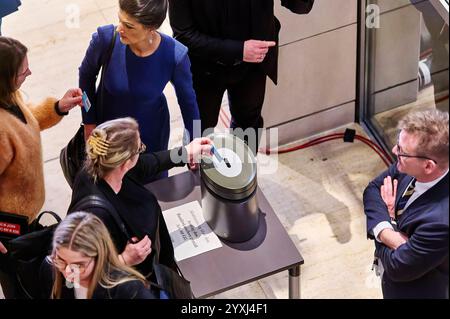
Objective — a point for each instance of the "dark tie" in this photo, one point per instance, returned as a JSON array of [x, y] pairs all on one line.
[[405, 197]]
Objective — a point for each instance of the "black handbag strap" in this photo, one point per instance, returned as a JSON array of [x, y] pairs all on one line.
[[36, 225], [102, 78], [157, 247], [55, 216], [110, 50], [95, 201]]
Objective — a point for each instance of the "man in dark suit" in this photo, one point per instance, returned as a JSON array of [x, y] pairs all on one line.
[[407, 210], [232, 46]]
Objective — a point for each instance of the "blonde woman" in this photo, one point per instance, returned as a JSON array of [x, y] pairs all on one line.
[[117, 169], [86, 265]]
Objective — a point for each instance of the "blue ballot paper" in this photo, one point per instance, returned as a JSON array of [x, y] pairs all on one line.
[[216, 153], [8, 7], [86, 103]]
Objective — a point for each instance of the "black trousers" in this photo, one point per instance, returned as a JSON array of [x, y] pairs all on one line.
[[246, 87]]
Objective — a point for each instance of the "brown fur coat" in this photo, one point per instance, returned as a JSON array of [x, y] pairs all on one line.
[[21, 169]]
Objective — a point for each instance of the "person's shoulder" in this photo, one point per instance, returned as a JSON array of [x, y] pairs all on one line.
[[106, 29], [180, 50], [435, 207], [133, 289], [6, 125], [104, 33], [83, 187], [83, 181]]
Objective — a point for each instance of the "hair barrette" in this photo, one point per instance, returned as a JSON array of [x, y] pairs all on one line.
[[99, 145]]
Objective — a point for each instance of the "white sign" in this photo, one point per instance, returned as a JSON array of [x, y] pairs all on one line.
[[190, 233]]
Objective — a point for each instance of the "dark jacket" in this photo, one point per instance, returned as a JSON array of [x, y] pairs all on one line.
[[138, 208], [419, 268], [8, 6], [129, 290], [216, 36]]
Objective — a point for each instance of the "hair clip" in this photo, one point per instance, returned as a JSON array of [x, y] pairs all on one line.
[[99, 145]]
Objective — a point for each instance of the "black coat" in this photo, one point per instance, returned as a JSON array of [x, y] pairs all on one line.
[[214, 35], [129, 290], [137, 207]]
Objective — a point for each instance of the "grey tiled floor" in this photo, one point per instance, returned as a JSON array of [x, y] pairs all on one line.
[[316, 192]]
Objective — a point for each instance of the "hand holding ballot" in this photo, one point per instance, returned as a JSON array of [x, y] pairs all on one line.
[[72, 98], [197, 148], [3, 249]]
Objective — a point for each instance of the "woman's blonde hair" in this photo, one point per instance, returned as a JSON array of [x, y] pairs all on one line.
[[110, 145], [85, 233]]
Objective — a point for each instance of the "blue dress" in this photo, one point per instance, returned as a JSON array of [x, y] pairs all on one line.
[[133, 86]]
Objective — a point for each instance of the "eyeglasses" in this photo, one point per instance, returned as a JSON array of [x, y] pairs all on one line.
[[62, 265], [400, 154]]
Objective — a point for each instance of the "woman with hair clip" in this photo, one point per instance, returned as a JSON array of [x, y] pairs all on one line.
[[143, 62], [117, 170], [22, 189], [86, 266]]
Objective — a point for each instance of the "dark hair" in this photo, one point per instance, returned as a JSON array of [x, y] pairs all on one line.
[[150, 13], [12, 54]]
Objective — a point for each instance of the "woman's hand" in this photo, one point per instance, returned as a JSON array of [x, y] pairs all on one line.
[[136, 252], [72, 98], [389, 194], [197, 148], [3, 249]]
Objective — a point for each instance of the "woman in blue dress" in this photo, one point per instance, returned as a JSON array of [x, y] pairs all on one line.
[[142, 62]]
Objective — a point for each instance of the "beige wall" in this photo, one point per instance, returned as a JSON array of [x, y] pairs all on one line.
[[317, 71], [317, 66]]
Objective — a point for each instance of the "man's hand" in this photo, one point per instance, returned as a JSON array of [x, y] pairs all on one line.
[[392, 238], [136, 252], [389, 194], [255, 51], [3, 249]]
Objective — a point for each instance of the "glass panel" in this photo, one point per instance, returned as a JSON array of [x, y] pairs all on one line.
[[407, 66]]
